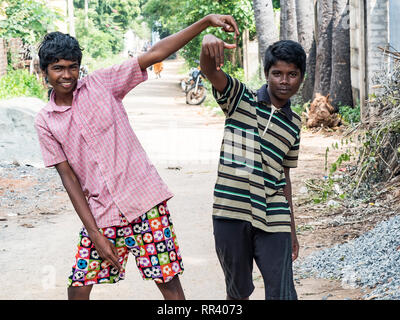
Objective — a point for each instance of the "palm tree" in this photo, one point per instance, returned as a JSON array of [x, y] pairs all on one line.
[[288, 24], [340, 91], [305, 23], [267, 31]]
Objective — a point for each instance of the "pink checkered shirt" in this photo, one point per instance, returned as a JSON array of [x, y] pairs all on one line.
[[95, 137]]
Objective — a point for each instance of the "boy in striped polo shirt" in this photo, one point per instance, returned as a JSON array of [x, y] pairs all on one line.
[[253, 212]]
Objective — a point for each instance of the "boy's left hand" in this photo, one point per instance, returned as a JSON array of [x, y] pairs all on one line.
[[226, 22]]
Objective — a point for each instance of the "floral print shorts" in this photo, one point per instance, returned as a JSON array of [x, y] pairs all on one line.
[[150, 238]]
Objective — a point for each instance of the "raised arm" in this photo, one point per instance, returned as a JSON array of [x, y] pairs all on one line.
[[212, 59], [167, 46]]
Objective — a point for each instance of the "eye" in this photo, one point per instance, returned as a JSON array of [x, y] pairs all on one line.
[[293, 74]]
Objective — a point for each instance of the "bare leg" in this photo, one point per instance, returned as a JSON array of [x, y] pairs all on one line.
[[79, 293], [172, 290]]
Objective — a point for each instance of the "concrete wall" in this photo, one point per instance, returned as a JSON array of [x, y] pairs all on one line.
[[251, 59], [394, 25], [373, 24], [377, 20]]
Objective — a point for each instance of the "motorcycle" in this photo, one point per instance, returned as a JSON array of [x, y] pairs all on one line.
[[194, 87]]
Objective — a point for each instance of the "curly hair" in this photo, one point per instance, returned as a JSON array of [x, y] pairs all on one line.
[[56, 46], [288, 51]]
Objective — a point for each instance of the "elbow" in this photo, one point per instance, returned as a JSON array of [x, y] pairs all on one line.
[[155, 55]]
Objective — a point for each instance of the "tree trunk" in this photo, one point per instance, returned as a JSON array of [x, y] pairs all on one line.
[[340, 91], [323, 66], [267, 31], [307, 91], [86, 9], [305, 23], [71, 21], [288, 30]]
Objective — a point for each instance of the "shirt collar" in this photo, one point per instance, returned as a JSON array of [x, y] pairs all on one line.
[[263, 96], [53, 107]]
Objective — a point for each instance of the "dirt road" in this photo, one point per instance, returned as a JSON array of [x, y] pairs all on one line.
[[37, 248]]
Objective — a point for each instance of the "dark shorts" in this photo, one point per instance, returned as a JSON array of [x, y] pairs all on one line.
[[238, 243]]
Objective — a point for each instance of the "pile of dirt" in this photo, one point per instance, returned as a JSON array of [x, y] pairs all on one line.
[[18, 139]]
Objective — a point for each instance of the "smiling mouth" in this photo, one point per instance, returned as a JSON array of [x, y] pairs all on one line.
[[66, 84]]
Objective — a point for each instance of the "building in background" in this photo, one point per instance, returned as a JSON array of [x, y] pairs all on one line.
[[373, 28]]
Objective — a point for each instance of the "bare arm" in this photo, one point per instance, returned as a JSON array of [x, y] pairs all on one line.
[[71, 183], [287, 190], [167, 46], [212, 59]]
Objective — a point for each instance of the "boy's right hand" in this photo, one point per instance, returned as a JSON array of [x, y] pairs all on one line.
[[226, 22], [107, 251], [214, 47]]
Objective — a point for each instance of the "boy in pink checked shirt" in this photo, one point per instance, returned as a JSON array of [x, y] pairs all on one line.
[[85, 133]]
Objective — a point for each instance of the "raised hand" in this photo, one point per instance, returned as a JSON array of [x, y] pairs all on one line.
[[214, 47], [226, 22]]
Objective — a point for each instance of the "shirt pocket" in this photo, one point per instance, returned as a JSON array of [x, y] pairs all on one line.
[[100, 117]]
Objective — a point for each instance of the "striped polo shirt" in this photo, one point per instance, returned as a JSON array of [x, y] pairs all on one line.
[[259, 141]]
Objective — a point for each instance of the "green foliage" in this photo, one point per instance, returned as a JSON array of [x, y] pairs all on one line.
[[350, 115], [27, 19], [114, 13], [18, 83], [95, 42], [107, 21], [174, 15], [276, 4]]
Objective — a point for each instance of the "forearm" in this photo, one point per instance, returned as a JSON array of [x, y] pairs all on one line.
[[77, 197], [167, 46], [287, 190]]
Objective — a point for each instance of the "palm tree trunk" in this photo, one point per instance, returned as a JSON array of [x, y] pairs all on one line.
[[288, 29], [267, 31], [323, 65], [340, 91]]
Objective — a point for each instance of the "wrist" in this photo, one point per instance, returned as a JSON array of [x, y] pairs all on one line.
[[207, 20], [94, 232]]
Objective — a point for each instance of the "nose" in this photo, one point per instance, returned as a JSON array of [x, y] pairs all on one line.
[[66, 73], [284, 79]]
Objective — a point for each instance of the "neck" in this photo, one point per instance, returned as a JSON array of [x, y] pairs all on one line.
[[63, 99]]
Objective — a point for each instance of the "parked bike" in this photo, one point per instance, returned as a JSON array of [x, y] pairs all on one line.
[[194, 87]]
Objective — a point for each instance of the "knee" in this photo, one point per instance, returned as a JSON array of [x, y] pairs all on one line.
[[172, 290], [79, 293]]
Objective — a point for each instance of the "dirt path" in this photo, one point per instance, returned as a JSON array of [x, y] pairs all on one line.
[[37, 238]]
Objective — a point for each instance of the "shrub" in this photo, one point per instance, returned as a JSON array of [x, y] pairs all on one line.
[[17, 83]]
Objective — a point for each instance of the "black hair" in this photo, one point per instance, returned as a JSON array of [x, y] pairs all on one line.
[[57, 45], [288, 51]]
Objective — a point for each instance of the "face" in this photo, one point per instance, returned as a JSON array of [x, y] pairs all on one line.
[[63, 76], [284, 80]]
